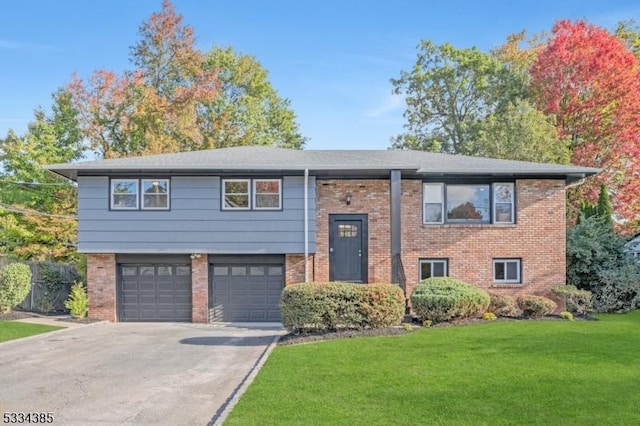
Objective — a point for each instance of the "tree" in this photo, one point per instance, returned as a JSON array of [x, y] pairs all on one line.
[[520, 132], [629, 33], [37, 207], [589, 81], [448, 93], [464, 211], [248, 110], [177, 98]]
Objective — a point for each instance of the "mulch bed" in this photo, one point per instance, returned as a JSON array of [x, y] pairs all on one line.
[[294, 339]]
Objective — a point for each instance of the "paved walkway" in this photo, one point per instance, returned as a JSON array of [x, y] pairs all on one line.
[[132, 373]]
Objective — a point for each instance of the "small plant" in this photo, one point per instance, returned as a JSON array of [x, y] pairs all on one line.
[[566, 315], [502, 305], [427, 323], [536, 306], [78, 302], [489, 316], [407, 326], [15, 283]]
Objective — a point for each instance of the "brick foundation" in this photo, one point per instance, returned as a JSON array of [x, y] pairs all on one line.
[[200, 288], [101, 286]]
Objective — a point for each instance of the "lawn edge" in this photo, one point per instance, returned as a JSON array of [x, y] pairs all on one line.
[[46, 333]]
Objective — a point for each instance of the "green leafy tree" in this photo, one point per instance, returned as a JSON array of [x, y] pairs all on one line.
[[248, 110], [629, 32], [36, 206], [15, 283]]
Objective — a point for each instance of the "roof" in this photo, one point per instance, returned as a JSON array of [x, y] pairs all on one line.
[[348, 162]]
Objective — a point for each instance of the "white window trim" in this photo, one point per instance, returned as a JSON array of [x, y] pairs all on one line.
[[255, 194], [224, 204], [424, 201], [432, 261], [142, 194], [518, 279], [112, 194], [513, 202]]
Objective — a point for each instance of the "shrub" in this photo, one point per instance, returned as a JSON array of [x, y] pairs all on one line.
[[15, 283], [536, 306], [578, 301], [78, 302], [329, 306], [566, 315], [407, 326], [52, 283], [502, 305], [443, 299], [489, 316]]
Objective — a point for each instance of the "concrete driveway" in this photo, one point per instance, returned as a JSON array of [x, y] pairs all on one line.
[[161, 374]]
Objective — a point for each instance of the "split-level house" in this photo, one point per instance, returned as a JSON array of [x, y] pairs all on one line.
[[215, 235]]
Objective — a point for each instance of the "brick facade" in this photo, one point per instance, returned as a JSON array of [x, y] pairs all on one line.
[[537, 238], [370, 197], [200, 288], [101, 286], [294, 268]]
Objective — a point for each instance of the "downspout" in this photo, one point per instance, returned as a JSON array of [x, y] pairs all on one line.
[[306, 225]]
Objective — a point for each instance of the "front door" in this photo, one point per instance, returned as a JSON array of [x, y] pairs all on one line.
[[348, 247]]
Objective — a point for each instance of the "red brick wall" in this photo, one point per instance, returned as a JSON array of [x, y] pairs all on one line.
[[538, 238], [101, 286], [200, 288], [369, 197], [294, 268]]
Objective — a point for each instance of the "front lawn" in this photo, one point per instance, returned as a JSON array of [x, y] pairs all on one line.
[[512, 372], [10, 330]]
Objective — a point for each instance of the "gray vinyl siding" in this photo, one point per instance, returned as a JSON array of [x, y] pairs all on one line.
[[195, 223]]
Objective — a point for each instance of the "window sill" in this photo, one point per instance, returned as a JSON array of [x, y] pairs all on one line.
[[468, 225], [506, 285]]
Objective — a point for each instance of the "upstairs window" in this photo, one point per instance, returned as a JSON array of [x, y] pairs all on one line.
[[235, 194], [468, 203], [124, 194], [251, 194], [155, 194]]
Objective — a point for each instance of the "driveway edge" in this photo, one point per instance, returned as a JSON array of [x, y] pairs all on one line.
[[47, 333], [220, 416]]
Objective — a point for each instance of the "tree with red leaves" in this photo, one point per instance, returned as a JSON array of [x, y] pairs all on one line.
[[589, 80]]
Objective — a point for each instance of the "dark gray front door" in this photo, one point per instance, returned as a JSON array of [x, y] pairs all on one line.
[[246, 292], [154, 292], [348, 247]]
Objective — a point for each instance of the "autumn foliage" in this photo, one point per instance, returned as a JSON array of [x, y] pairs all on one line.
[[590, 81]]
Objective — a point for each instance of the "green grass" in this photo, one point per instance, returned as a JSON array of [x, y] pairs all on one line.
[[494, 373], [10, 330]]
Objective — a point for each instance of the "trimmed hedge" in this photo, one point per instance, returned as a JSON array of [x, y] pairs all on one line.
[[329, 306], [536, 306], [442, 299], [15, 283], [578, 301], [502, 305]]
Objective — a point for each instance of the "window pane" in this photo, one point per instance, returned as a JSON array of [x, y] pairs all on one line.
[[267, 187], [275, 270], [256, 270], [183, 270], [433, 192], [124, 194], [155, 193], [165, 270], [438, 269], [512, 271], [238, 270], [236, 201], [124, 200], [271, 201], [124, 187], [499, 272], [433, 213], [503, 212], [236, 187], [468, 203], [129, 271], [147, 270], [503, 192], [220, 270], [347, 231], [425, 270]]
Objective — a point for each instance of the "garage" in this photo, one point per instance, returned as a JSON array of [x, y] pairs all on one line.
[[154, 288], [246, 288]]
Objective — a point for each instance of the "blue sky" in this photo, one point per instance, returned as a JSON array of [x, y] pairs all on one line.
[[332, 58]]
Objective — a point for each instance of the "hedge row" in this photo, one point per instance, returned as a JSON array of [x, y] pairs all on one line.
[[334, 305]]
